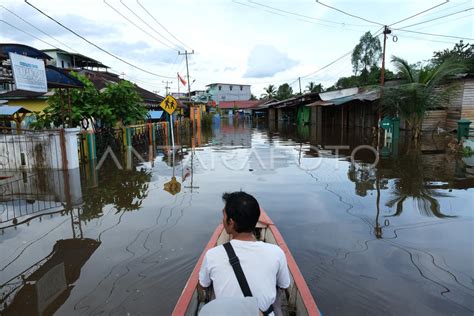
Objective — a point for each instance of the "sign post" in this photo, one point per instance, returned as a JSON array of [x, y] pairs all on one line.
[[169, 104]]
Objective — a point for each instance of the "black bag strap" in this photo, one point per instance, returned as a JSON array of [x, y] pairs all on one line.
[[235, 263], [239, 273]]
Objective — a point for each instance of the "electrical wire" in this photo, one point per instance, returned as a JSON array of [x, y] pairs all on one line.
[[328, 65], [377, 33], [33, 26], [139, 27], [434, 19], [95, 45], [27, 33], [349, 14], [444, 22], [152, 28], [419, 13], [439, 35], [297, 16], [425, 39], [448, 8], [161, 25], [307, 17]]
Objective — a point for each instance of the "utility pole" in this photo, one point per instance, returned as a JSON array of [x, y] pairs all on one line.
[[186, 53], [167, 85], [386, 31], [299, 80]]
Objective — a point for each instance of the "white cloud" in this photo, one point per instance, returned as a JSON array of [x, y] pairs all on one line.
[[266, 61]]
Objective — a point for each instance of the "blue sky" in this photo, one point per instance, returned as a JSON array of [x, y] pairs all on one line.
[[237, 41]]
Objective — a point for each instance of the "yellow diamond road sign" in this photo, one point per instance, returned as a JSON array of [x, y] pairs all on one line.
[[169, 104], [172, 186]]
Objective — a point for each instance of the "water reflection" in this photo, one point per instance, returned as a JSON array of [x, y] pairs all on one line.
[[114, 241]]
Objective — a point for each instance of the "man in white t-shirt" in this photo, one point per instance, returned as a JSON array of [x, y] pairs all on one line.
[[264, 265]]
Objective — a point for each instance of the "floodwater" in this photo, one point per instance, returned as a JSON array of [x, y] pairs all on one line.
[[391, 239]]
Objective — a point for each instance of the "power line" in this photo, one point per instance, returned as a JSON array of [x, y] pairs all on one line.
[[33, 26], [426, 39], [162, 26], [444, 22], [95, 45], [449, 8], [27, 33], [434, 19], [419, 13], [306, 16], [439, 35], [146, 23], [138, 27], [331, 63], [349, 14]]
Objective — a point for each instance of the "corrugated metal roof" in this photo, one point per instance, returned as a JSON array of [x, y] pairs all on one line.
[[6, 110], [341, 97]]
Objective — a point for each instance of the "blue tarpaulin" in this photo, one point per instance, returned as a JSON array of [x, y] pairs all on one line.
[[155, 115], [9, 110]]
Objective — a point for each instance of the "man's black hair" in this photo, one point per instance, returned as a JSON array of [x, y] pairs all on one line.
[[243, 209]]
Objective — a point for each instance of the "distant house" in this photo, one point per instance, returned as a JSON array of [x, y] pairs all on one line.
[[68, 60], [239, 105], [228, 92]]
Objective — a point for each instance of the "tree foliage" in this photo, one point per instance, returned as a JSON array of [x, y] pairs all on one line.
[[313, 87], [117, 102], [372, 78], [122, 102], [366, 55], [284, 92], [461, 52], [270, 92], [417, 94]]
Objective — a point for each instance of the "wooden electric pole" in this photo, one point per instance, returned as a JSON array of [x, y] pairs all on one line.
[[386, 31], [299, 80]]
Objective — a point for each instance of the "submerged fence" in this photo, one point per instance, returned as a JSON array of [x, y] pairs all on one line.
[[93, 144]]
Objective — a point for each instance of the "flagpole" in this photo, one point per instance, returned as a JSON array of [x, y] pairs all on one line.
[[178, 84]]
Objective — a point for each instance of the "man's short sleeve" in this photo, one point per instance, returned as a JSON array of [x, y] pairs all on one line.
[[204, 275], [283, 275]]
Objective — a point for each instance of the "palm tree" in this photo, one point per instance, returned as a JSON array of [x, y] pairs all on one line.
[[313, 87], [417, 94], [270, 92], [412, 185]]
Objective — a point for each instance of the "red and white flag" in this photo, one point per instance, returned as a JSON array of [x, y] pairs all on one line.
[[182, 80]]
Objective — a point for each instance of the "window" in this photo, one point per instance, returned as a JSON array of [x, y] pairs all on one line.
[[62, 63], [220, 88], [241, 88], [230, 88]]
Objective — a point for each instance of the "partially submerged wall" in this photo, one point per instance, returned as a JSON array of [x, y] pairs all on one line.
[[48, 149]]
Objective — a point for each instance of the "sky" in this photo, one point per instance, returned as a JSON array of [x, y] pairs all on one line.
[[252, 42]]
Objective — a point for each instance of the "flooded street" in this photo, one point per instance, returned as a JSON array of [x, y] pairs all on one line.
[[394, 239]]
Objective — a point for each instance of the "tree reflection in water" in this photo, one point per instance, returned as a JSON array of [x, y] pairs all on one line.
[[409, 173], [124, 189], [411, 183]]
